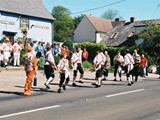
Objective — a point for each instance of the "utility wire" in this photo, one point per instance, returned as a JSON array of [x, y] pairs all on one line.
[[99, 7], [156, 10]]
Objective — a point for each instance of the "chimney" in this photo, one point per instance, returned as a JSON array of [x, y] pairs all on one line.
[[132, 19], [117, 19]]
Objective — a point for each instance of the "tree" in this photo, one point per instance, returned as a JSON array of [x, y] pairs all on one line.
[[151, 36], [77, 20], [63, 24], [111, 14]]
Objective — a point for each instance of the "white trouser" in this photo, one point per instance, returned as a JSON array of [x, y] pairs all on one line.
[[6, 57], [129, 73], [16, 58]]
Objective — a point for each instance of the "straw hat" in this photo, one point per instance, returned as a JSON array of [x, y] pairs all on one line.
[[7, 39]]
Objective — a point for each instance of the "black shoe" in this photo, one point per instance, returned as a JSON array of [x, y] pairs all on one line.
[[74, 84], [114, 80], [94, 84], [59, 91], [104, 79], [47, 87], [64, 87], [97, 86], [129, 84], [132, 82], [120, 79], [81, 81]]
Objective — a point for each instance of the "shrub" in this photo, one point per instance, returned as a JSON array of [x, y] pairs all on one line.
[[56, 59], [87, 65], [69, 44], [40, 64], [23, 52]]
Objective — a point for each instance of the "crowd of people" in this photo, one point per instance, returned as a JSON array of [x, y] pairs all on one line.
[[130, 64], [133, 65], [10, 52]]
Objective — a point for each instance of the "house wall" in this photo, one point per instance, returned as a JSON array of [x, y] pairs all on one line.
[[85, 32], [38, 29], [100, 36]]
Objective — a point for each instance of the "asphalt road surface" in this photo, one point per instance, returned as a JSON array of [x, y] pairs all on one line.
[[112, 101]]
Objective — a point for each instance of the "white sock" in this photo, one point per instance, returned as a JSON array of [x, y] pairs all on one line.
[[129, 80], [99, 81], [49, 80]]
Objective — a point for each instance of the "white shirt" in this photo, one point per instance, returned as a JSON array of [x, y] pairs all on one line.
[[6, 47], [76, 58], [49, 57], [136, 58], [128, 59], [63, 65], [99, 60], [119, 58], [17, 47]]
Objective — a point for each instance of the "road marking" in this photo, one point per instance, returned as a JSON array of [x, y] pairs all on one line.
[[123, 93], [29, 111]]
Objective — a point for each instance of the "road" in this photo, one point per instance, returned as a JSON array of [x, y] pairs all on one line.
[[112, 101]]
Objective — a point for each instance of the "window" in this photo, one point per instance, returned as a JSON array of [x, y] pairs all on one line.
[[114, 35], [24, 22]]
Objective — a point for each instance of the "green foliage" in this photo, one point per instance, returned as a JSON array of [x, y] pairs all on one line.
[[23, 52], [91, 47], [151, 36], [57, 59], [111, 14], [87, 65], [63, 25], [40, 64], [69, 44]]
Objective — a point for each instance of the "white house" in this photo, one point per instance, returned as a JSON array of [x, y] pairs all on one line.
[[32, 14], [91, 29]]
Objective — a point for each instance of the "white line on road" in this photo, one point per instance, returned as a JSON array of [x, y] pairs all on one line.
[[29, 111], [123, 93]]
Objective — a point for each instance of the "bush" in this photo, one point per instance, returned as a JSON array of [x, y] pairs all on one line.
[[69, 44], [40, 64], [23, 52], [56, 59], [87, 65]]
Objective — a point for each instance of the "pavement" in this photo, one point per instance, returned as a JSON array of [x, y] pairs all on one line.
[[13, 80]]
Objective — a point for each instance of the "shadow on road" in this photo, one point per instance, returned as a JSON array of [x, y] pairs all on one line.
[[12, 92]]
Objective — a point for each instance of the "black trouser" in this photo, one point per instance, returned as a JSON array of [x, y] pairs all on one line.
[[79, 67], [142, 71], [116, 70], [105, 72], [49, 72], [136, 71], [99, 72], [39, 54], [62, 79]]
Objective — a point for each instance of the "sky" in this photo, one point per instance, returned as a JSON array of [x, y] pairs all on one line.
[[140, 9]]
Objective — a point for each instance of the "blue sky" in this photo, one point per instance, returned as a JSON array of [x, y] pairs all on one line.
[[141, 9]]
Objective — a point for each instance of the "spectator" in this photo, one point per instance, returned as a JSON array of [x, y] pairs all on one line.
[[7, 50], [143, 65], [39, 50], [57, 50], [17, 47], [85, 54]]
